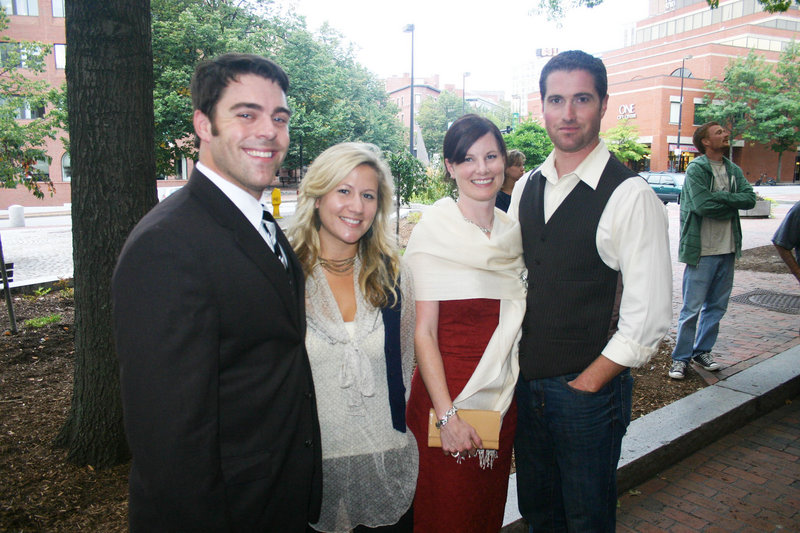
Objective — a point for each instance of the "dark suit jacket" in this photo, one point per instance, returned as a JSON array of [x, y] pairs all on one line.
[[218, 398]]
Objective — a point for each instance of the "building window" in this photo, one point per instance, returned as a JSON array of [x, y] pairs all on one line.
[[40, 171], [699, 114], [66, 168], [674, 111], [681, 73], [60, 54], [10, 56], [26, 112], [21, 7], [58, 8]]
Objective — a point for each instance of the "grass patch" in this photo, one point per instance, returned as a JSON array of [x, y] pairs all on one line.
[[42, 321]]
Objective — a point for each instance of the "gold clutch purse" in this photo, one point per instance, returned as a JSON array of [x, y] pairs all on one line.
[[486, 423]]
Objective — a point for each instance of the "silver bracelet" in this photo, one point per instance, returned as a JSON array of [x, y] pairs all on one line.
[[443, 421]]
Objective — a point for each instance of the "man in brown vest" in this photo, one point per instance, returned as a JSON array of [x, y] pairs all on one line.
[[595, 242]]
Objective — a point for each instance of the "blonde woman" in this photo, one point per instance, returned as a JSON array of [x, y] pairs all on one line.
[[360, 312]]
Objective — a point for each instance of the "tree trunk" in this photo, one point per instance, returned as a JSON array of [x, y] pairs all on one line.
[[780, 160], [110, 103]]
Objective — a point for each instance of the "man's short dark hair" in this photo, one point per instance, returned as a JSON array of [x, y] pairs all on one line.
[[576, 60], [702, 133], [212, 76]]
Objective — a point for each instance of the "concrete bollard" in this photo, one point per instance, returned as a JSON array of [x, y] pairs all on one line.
[[16, 216]]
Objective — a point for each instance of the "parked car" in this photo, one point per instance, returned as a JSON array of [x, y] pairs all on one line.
[[667, 185]]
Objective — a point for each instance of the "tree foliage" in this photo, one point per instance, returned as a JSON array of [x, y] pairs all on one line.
[[499, 114], [531, 139], [435, 116], [556, 10], [758, 101], [776, 118], [437, 185], [732, 101], [770, 6], [623, 141], [332, 97], [22, 143], [408, 172]]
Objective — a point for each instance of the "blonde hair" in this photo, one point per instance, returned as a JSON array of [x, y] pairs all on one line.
[[380, 263]]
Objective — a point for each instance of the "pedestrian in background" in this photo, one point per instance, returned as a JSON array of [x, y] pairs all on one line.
[[787, 240], [515, 168], [711, 239]]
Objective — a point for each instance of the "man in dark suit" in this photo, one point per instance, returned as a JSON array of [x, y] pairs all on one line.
[[218, 398]]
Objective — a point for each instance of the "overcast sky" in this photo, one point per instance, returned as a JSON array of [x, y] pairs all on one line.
[[484, 37]]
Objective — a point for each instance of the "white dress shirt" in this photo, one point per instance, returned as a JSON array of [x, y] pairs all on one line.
[[251, 208], [632, 238]]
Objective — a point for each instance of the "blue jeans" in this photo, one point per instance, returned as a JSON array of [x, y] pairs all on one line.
[[567, 448], [706, 291]]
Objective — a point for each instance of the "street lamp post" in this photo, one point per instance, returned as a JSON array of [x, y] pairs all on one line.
[[408, 29], [464, 92], [680, 111]]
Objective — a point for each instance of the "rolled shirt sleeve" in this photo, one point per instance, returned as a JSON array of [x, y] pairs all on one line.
[[633, 237]]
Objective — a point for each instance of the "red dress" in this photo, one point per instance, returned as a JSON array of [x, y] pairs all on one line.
[[454, 497]]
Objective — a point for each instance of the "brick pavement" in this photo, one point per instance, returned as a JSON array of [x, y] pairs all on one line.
[[747, 481]]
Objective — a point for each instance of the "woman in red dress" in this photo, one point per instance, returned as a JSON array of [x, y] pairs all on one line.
[[469, 278]]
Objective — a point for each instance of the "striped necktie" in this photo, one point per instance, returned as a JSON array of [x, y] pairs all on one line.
[[273, 237]]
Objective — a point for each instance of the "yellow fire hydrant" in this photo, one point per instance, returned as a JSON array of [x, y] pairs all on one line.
[[276, 202]]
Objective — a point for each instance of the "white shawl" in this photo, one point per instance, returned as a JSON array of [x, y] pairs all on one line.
[[452, 259]]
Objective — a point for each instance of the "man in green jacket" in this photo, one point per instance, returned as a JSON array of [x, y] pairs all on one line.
[[711, 238]]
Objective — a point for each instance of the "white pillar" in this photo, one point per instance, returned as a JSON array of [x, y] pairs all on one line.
[[16, 216]]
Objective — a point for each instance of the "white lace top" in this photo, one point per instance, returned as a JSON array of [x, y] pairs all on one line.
[[369, 469]]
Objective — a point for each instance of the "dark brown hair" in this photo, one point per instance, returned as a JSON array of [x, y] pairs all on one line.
[[212, 76], [463, 134], [576, 60], [700, 134]]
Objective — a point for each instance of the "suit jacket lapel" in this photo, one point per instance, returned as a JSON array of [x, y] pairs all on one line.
[[248, 239]]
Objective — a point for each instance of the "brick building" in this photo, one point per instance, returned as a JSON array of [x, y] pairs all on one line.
[[684, 42], [41, 21]]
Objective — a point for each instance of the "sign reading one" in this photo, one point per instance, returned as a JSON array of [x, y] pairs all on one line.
[[627, 111], [546, 52]]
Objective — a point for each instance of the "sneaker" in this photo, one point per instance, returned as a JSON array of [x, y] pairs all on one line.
[[705, 360], [677, 370]]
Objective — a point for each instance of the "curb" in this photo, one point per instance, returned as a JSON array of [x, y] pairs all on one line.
[[660, 439], [37, 214], [667, 435]]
